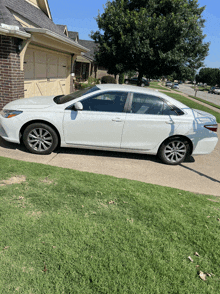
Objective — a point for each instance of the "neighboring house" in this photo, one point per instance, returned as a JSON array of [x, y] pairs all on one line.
[[74, 36], [85, 65], [36, 56]]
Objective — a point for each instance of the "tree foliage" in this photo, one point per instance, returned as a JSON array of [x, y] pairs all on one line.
[[210, 76], [152, 37]]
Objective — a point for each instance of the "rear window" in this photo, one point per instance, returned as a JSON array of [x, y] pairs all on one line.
[[61, 99]]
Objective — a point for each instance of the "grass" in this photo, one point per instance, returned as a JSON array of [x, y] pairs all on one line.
[[205, 101], [201, 88], [193, 104], [64, 231], [155, 85]]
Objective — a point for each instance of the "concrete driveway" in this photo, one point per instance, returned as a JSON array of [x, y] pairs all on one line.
[[200, 174]]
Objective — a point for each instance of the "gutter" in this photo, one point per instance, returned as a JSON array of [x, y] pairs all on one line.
[[13, 31], [53, 35]]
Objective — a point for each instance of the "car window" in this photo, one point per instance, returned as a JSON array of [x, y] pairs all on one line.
[[146, 104], [149, 104], [66, 98], [108, 102]]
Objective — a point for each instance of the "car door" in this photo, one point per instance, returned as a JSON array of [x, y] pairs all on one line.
[[100, 123], [149, 122]]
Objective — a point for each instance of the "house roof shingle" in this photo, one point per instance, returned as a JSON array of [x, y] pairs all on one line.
[[91, 45], [29, 12], [6, 17], [61, 27]]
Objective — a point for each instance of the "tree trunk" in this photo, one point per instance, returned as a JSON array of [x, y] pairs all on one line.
[[140, 76]]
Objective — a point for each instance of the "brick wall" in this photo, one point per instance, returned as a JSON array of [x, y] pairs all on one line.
[[11, 77]]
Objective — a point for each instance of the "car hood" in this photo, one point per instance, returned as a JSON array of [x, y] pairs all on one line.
[[31, 103]]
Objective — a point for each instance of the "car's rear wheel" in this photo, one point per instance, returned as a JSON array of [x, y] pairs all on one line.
[[142, 84], [173, 151], [39, 138]]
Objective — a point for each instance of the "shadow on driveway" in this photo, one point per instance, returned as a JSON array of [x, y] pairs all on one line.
[[200, 174], [89, 152]]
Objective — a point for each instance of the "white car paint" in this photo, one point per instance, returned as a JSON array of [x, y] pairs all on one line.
[[123, 131]]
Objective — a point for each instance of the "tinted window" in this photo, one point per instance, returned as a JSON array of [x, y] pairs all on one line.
[[66, 98], [109, 101], [148, 104]]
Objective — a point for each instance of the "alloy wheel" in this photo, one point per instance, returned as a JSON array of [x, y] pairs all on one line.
[[40, 139], [175, 151]]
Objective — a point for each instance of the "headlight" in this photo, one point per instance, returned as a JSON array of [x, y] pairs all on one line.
[[10, 113]]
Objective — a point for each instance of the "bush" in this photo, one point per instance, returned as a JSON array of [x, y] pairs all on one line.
[[121, 78], [108, 80], [92, 81]]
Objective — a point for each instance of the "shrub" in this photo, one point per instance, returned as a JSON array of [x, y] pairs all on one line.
[[92, 80], [108, 80]]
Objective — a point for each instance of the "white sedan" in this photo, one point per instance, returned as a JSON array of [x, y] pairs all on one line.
[[110, 117]]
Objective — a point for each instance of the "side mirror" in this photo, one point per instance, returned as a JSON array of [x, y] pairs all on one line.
[[78, 106]]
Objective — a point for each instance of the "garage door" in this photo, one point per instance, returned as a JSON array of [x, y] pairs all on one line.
[[45, 73]]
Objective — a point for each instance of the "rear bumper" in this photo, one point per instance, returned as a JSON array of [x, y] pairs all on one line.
[[204, 145]]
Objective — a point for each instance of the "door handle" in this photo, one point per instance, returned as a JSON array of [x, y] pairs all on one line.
[[117, 119], [170, 122]]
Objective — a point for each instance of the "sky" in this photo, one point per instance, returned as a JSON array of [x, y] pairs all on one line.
[[79, 16]]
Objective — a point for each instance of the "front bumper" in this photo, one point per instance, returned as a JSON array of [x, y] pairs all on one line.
[[9, 129]]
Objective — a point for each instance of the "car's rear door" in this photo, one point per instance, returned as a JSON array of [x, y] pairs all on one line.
[[148, 123]]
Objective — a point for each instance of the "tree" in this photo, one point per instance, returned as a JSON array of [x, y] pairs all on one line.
[[210, 76], [151, 37]]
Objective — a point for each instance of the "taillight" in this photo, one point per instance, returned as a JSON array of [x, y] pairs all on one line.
[[212, 128]]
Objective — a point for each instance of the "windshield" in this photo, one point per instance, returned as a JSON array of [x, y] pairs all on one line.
[[61, 99]]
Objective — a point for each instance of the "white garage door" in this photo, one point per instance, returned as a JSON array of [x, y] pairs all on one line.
[[45, 73]]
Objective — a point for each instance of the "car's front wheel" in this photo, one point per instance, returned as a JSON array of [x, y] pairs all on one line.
[[40, 138], [173, 151]]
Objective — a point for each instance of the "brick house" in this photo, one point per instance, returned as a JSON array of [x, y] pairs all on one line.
[[36, 55]]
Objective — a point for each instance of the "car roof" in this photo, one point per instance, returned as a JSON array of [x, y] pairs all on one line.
[[127, 88], [137, 89]]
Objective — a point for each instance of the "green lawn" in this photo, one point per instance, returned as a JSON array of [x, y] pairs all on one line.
[[193, 104], [64, 231], [155, 85], [201, 88], [204, 101]]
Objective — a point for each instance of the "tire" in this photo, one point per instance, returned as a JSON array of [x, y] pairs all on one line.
[[40, 138], [142, 84], [173, 151], [126, 82]]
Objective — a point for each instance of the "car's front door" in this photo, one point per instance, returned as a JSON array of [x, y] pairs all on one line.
[[149, 122], [100, 123]]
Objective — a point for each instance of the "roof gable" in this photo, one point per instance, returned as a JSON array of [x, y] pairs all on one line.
[[26, 11], [74, 36], [41, 4]]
